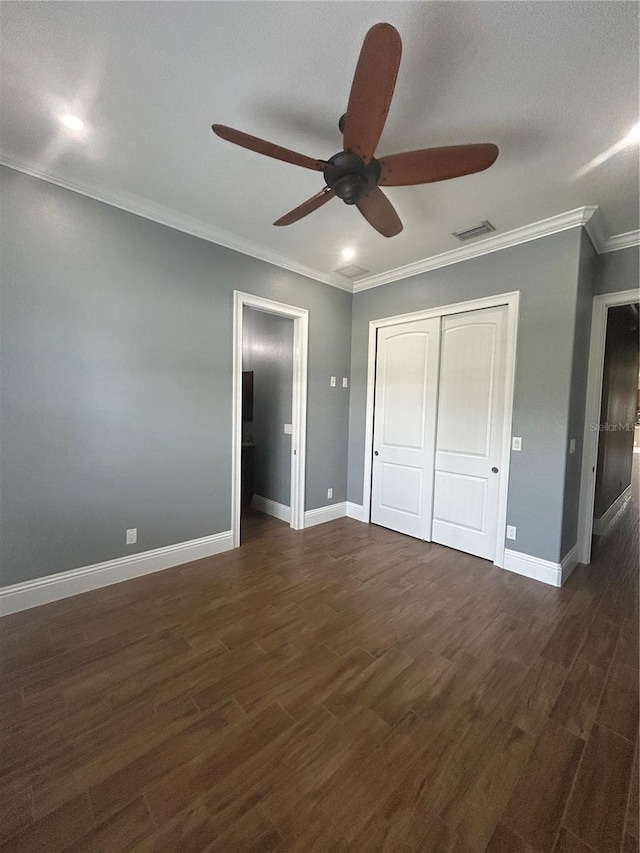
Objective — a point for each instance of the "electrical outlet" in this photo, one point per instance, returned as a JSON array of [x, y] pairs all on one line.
[[345, 382], [131, 536], [511, 532], [333, 382], [516, 443], [329, 493], [288, 429], [572, 446]]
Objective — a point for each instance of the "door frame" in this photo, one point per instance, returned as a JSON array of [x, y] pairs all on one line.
[[599, 316], [512, 302], [300, 317]]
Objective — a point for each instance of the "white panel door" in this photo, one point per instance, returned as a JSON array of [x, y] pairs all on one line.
[[404, 427], [469, 431]]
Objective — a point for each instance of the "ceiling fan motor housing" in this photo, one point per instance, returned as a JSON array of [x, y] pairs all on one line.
[[350, 177]]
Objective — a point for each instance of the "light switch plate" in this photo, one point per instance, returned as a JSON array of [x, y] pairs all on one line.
[[572, 446], [345, 382], [333, 382], [516, 443], [288, 429]]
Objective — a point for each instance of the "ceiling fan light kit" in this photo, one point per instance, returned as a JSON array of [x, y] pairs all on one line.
[[354, 174]]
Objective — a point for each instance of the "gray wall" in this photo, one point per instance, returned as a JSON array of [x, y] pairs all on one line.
[[116, 363], [618, 408], [545, 272], [619, 270], [267, 350], [587, 276]]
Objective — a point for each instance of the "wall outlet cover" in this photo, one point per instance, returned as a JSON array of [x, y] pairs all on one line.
[[288, 429], [131, 536], [329, 493], [511, 532], [572, 446]]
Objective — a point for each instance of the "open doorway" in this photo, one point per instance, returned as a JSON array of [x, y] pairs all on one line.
[[611, 417], [267, 400], [269, 411], [618, 417]]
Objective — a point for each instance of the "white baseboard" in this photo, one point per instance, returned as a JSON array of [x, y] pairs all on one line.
[[604, 523], [568, 563], [325, 513], [22, 596], [356, 511], [533, 567], [272, 508]]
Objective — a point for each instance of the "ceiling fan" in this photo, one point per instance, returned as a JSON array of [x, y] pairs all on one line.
[[354, 174]]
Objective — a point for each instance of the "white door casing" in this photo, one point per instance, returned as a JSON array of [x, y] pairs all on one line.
[[470, 431], [300, 317], [404, 427]]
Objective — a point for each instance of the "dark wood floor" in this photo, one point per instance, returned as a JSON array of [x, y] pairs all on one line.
[[340, 689]]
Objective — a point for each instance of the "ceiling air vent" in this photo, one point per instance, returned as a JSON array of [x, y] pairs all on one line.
[[352, 271], [477, 231]]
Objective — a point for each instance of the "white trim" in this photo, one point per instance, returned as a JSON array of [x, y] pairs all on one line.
[[512, 301], [300, 317], [181, 222], [22, 596], [533, 567], [622, 241], [324, 513], [356, 511], [596, 230], [581, 216], [568, 563], [605, 522], [543, 228], [272, 508], [601, 305]]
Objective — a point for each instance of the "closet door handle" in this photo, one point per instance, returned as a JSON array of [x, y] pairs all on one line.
[[375, 452], [494, 470]]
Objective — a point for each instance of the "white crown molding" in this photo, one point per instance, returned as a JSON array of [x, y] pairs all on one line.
[[21, 596], [589, 217], [596, 230], [182, 222], [622, 241], [545, 227]]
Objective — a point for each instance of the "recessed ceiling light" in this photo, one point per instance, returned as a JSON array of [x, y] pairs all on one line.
[[72, 122], [348, 253]]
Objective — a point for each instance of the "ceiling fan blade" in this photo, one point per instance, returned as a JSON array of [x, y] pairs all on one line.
[[306, 207], [372, 89], [261, 146], [435, 164], [380, 213]]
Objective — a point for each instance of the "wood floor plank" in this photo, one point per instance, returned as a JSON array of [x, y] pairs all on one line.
[[538, 801], [57, 831], [596, 811], [618, 709], [577, 703], [478, 800], [343, 688]]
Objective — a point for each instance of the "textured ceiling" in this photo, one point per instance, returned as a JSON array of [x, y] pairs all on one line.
[[553, 84]]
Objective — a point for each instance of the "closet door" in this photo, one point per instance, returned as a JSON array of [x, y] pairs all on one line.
[[469, 431], [404, 427]]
